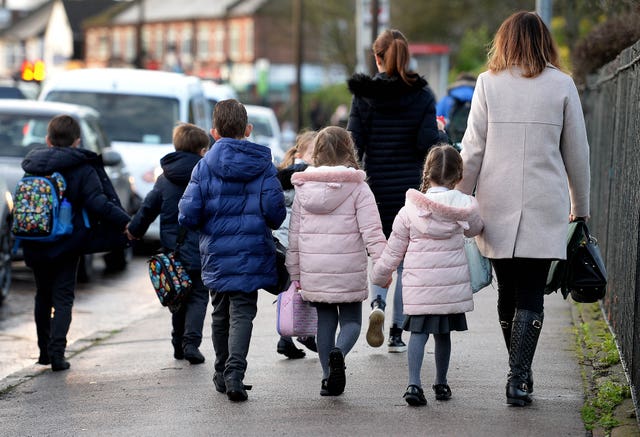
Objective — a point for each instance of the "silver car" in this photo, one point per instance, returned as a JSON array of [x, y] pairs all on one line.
[[23, 127], [6, 204]]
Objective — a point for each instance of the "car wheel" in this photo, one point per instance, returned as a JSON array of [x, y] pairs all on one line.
[[5, 262], [117, 260], [85, 269]]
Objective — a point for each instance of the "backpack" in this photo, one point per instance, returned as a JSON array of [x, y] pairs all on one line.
[[458, 115], [41, 212]]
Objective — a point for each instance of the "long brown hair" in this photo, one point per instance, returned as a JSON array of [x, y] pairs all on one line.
[[523, 40], [393, 50], [304, 140], [443, 167], [333, 146]]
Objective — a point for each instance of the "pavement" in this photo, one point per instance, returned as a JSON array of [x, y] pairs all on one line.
[[126, 383]]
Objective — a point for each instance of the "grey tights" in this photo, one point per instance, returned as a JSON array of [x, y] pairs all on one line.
[[415, 355], [349, 315]]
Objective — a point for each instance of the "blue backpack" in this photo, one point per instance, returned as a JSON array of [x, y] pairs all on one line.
[[41, 212]]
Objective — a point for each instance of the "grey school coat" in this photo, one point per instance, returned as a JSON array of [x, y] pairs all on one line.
[[526, 149]]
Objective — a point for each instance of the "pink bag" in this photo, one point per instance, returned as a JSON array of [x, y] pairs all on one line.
[[296, 317]]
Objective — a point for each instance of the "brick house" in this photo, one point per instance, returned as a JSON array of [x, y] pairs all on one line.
[[242, 42]]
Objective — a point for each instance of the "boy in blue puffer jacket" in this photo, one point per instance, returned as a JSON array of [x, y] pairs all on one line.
[[234, 200], [190, 143]]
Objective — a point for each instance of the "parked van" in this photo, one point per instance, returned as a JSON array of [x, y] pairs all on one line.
[[138, 109]]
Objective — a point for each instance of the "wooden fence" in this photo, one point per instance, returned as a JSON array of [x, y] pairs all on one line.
[[611, 102]]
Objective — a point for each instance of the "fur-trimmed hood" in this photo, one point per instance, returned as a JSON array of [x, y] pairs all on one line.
[[441, 214], [384, 90], [322, 190]]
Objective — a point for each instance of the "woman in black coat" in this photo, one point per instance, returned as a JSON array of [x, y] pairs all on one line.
[[393, 123]]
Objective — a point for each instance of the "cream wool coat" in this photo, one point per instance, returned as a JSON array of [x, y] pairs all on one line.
[[334, 222], [428, 233], [526, 149]]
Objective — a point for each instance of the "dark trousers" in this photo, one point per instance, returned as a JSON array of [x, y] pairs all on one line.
[[55, 289], [188, 321], [231, 327], [521, 283]]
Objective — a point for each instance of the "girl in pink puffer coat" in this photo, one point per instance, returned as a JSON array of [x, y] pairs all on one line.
[[334, 223], [428, 233]]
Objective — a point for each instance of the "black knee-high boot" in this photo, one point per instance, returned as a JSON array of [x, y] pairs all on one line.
[[506, 332], [525, 332]]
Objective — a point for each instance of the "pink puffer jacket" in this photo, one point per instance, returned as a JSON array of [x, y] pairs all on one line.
[[334, 221], [429, 233]]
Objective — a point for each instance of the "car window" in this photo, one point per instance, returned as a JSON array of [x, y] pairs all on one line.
[[261, 126], [101, 137], [8, 92], [19, 133], [131, 118], [89, 137]]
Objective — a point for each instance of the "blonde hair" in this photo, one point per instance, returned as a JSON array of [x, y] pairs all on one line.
[[190, 138], [304, 140], [392, 48], [523, 40], [443, 167], [333, 146]]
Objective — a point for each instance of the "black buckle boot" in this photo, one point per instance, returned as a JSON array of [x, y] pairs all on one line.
[[506, 332], [525, 332]]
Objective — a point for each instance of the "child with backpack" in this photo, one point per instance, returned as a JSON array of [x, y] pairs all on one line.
[[190, 143], [235, 200], [55, 263], [297, 158], [428, 233], [334, 223], [455, 106]]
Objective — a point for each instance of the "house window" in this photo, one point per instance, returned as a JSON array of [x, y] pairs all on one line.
[[248, 47], [159, 42], [218, 43], [203, 42], [234, 41], [187, 41], [130, 44], [115, 43]]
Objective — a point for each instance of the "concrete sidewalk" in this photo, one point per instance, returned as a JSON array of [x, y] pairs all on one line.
[[129, 384]]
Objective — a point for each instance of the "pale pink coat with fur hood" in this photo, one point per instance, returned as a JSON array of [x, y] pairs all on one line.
[[334, 221], [429, 233]]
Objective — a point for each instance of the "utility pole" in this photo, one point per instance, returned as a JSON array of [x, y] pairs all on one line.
[[140, 55], [298, 54], [375, 9], [544, 8]]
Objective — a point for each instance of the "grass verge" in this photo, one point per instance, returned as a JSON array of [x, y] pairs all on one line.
[[608, 409]]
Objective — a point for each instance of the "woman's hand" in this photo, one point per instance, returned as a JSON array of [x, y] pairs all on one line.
[[573, 218]]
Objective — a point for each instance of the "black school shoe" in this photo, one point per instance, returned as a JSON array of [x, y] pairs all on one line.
[[337, 378], [442, 391], [193, 355], [414, 396], [236, 390], [59, 363], [324, 389], [289, 350], [218, 381]]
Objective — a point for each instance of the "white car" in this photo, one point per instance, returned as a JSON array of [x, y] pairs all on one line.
[[138, 109], [266, 130]]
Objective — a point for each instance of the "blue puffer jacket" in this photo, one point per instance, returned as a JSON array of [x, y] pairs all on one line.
[[234, 199], [163, 200]]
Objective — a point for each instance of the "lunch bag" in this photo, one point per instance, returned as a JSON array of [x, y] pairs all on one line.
[[295, 316]]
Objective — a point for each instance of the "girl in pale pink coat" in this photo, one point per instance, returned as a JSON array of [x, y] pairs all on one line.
[[428, 233], [334, 223]]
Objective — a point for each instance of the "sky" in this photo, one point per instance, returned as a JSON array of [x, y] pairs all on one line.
[[21, 4]]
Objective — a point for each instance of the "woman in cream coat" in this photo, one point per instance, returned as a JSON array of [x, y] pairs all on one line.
[[526, 155]]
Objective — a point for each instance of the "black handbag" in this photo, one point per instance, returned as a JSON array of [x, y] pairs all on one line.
[[283, 274], [582, 274]]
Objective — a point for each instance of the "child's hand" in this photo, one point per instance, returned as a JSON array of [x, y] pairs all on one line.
[[388, 284], [297, 284]]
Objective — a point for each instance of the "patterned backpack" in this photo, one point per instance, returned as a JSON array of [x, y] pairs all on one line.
[[41, 212]]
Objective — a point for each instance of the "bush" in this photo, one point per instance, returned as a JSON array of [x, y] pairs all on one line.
[[603, 44]]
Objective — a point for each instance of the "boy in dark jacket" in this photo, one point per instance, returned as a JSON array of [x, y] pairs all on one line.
[[190, 143], [55, 264], [234, 199]]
